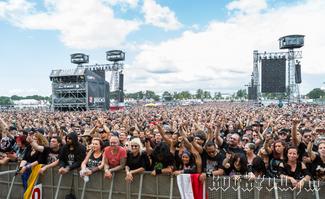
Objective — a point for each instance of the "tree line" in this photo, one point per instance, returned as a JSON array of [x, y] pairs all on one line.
[[183, 95], [316, 93]]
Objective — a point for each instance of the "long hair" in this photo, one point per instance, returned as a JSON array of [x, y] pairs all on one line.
[[242, 162], [275, 154], [41, 140], [161, 152]]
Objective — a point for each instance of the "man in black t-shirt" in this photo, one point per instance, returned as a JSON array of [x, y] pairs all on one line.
[[211, 161], [53, 153], [232, 144]]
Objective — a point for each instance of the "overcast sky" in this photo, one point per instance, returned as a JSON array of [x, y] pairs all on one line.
[[170, 45]]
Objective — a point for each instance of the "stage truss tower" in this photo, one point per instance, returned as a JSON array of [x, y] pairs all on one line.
[[289, 42]]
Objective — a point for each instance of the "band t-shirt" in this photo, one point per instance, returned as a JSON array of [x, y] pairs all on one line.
[[211, 164], [93, 161], [53, 155]]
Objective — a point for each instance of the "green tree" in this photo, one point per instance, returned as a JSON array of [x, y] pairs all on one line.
[[206, 95], [217, 95], [199, 94], [5, 101], [151, 95], [241, 93], [316, 93], [186, 95], [15, 97], [167, 96]]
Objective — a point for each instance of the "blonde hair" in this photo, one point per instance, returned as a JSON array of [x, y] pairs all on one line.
[[138, 142], [41, 139]]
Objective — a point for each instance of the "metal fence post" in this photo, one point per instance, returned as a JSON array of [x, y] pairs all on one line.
[[83, 190], [58, 187], [276, 193], [111, 187], [140, 186], [316, 190], [128, 190], [171, 186], [11, 185], [238, 191]]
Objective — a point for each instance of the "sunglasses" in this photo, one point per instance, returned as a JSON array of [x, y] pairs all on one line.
[[134, 146]]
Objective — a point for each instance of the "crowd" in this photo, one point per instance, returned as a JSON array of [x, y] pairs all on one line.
[[220, 139]]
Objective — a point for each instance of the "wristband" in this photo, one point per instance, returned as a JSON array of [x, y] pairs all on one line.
[[158, 171]]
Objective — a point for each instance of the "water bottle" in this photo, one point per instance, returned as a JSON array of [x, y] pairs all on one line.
[[86, 178]]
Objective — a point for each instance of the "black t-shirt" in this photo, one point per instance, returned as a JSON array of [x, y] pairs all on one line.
[[318, 168], [41, 157], [94, 162], [232, 149], [209, 163], [298, 174], [273, 168], [135, 162], [254, 167], [302, 150], [52, 155]]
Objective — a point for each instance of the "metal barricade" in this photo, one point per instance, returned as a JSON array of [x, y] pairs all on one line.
[[266, 188], [54, 186], [145, 186]]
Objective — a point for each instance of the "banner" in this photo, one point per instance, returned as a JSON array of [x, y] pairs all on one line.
[[37, 192], [190, 186], [31, 180]]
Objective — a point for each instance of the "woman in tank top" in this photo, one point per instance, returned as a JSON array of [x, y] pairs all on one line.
[[93, 161]]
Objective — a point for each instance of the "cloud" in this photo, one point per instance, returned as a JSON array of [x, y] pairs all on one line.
[[224, 50], [82, 24], [159, 16], [247, 6], [15, 10], [131, 3]]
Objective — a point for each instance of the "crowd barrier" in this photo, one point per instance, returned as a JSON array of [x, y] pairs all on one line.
[[143, 186], [162, 186], [266, 188]]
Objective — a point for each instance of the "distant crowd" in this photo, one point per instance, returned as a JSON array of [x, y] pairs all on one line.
[[219, 139]]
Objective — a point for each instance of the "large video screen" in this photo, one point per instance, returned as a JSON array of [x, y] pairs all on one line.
[[274, 75]]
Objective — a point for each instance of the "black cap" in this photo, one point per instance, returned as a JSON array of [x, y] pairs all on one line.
[[40, 130], [12, 128]]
